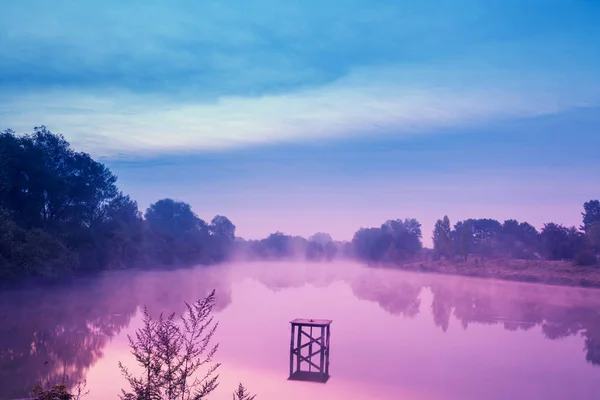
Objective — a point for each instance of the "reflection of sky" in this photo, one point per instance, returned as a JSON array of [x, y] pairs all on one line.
[[351, 112], [375, 354]]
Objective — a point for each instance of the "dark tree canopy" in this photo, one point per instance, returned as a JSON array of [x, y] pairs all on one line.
[[561, 243], [395, 240], [62, 208], [590, 214], [321, 237], [61, 213], [442, 237], [223, 227], [173, 219], [593, 236]]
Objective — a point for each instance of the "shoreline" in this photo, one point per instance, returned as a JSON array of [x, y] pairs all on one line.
[[555, 273]]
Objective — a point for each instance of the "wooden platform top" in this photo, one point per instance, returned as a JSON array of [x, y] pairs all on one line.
[[311, 322]]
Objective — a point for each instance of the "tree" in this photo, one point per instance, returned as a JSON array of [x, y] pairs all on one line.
[[519, 240], [561, 243], [321, 238], [314, 251], [371, 244], [175, 233], [277, 245], [4, 166], [222, 232], [221, 226], [62, 205], [115, 238], [593, 236], [395, 240], [590, 214], [442, 240], [486, 234], [330, 250], [462, 238], [172, 219], [405, 237]]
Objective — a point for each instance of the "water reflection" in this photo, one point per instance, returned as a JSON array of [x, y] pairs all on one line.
[[46, 333], [52, 333], [559, 311]]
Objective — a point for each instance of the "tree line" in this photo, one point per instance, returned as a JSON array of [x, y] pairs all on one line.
[[520, 240], [62, 213]]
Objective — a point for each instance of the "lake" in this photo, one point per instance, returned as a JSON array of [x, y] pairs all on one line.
[[395, 335]]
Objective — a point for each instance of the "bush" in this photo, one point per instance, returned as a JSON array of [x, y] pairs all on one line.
[[59, 391], [585, 258]]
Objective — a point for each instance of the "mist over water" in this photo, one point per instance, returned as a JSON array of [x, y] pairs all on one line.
[[395, 335]]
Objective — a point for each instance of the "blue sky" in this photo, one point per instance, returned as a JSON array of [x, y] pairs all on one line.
[[306, 115]]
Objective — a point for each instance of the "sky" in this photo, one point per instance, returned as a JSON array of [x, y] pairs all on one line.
[[306, 116]]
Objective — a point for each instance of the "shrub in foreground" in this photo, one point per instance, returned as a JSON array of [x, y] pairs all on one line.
[[175, 356]]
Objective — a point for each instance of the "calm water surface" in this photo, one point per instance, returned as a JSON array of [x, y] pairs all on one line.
[[395, 335]]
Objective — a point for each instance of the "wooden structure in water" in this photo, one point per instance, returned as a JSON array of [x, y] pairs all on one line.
[[313, 353]]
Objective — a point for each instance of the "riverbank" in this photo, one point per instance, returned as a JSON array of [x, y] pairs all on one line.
[[562, 273]]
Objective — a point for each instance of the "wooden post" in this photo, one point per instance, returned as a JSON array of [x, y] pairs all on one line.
[[299, 348], [292, 351], [315, 372], [327, 351], [322, 361], [310, 350]]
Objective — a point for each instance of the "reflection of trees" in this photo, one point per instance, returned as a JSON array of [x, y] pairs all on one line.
[[395, 297], [289, 275], [167, 291], [558, 311], [47, 333]]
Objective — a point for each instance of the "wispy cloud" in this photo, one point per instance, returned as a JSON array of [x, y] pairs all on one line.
[[146, 78], [368, 102]]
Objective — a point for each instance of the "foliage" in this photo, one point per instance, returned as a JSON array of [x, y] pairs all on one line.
[[175, 234], [222, 226], [59, 391], [585, 258], [176, 356], [61, 213], [442, 239], [561, 243], [173, 219], [395, 240], [320, 247], [171, 354], [222, 235], [278, 245], [62, 210], [519, 240], [31, 252], [462, 238], [321, 237], [242, 394], [592, 236], [590, 214]]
